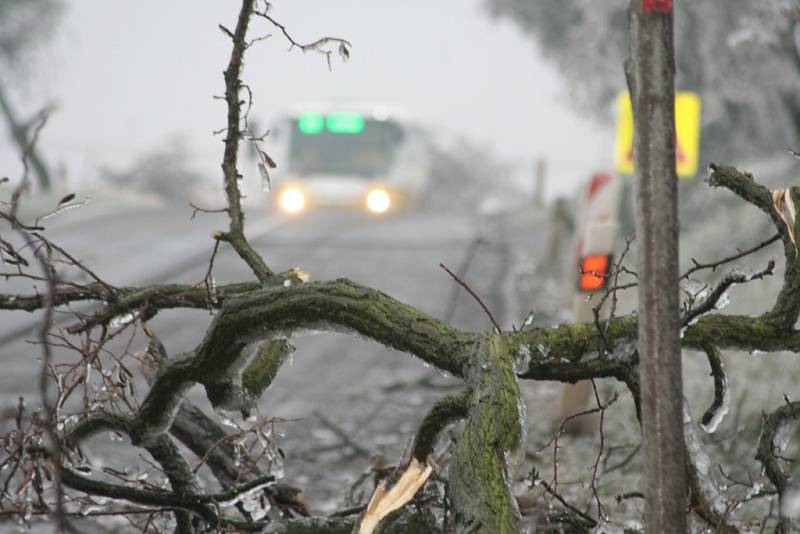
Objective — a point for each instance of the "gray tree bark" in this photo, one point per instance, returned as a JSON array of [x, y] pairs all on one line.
[[651, 76]]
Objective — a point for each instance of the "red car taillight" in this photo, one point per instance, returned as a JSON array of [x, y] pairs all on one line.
[[594, 271]]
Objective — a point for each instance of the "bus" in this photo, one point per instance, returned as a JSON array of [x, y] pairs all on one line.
[[354, 156]]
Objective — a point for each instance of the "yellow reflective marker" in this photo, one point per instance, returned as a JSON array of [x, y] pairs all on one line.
[[623, 148], [687, 131]]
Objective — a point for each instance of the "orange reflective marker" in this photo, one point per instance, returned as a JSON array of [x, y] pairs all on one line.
[[593, 272]]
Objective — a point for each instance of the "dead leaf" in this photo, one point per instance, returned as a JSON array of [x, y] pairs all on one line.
[[147, 330], [266, 184], [66, 199], [268, 160], [782, 202], [300, 274], [385, 502], [344, 52]]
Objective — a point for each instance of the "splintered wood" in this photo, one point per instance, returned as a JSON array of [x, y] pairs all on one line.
[[384, 502], [782, 202]]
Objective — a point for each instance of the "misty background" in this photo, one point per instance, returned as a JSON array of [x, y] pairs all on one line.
[[498, 84], [127, 78]]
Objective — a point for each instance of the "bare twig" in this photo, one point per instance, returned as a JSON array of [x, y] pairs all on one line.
[[208, 280], [342, 435], [601, 512], [741, 254], [197, 209], [452, 300], [463, 284], [233, 85], [43, 257], [535, 479], [316, 46]]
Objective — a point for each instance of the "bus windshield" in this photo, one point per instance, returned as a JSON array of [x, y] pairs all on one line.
[[343, 144]]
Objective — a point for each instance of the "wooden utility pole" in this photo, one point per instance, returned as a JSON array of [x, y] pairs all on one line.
[[651, 77]]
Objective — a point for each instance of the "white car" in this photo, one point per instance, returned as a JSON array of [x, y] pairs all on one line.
[[603, 218]]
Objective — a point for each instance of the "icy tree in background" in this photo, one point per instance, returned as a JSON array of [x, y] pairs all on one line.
[[725, 49], [25, 25], [165, 171]]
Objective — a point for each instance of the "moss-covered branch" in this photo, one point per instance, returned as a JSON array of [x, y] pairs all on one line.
[[566, 353], [787, 306], [128, 299], [479, 480], [447, 410], [263, 368], [336, 305], [278, 311], [571, 352]]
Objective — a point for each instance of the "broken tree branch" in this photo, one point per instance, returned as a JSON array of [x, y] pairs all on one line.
[[233, 84]]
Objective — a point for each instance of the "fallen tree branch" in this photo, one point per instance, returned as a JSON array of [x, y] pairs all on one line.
[[447, 410], [719, 292], [787, 306], [775, 428], [534, 479], [158, 297], [202, 505], [704, 496], [478, 474], [719, 408]]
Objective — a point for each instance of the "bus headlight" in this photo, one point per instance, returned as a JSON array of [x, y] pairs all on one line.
[[378, 201], [292, 200]]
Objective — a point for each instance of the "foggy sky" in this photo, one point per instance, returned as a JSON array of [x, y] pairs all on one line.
[[130, 75]]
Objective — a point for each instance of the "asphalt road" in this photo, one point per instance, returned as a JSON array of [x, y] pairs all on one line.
[[335, 385]]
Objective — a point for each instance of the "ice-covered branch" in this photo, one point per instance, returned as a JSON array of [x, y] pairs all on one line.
[[774, 437], [781, 206], [722, 395], [719, 295], [128, 299], [319, 46], [202, 505], [276, 312], [233, 84]]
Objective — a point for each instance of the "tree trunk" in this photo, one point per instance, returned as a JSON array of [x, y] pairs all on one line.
[[651, 77]]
